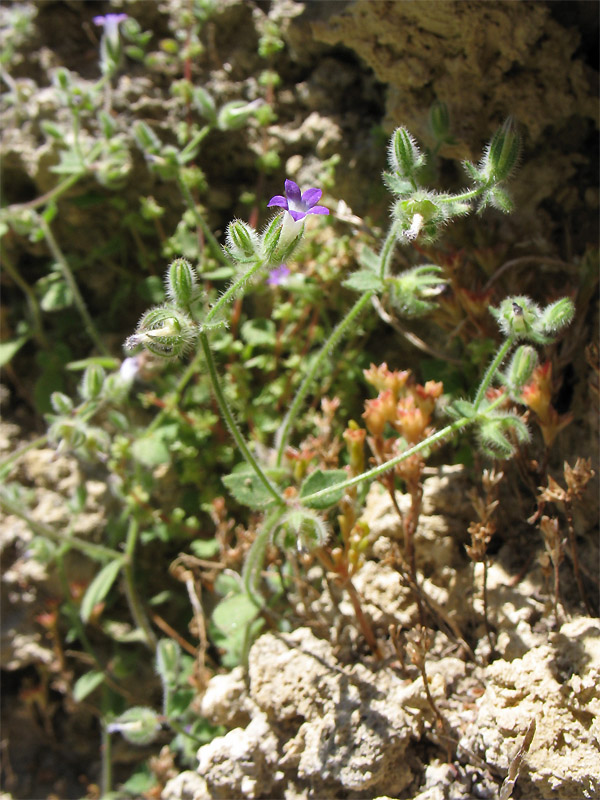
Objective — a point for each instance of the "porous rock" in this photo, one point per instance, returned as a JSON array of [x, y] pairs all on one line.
[[556, 684]]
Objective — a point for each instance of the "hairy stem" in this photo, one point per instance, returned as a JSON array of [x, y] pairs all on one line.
[[133, 600], [491, 371], [231, 423], [337, 334], [72, 284]]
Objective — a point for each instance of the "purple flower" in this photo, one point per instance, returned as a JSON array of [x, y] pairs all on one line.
[[109, 20], [297, 205], [278, 275]]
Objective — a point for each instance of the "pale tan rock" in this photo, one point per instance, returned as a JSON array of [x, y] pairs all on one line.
[[557, 685]]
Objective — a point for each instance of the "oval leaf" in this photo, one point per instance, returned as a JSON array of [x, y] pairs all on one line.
[[99, 588], [323, 479], [234, 613], [86, 684]]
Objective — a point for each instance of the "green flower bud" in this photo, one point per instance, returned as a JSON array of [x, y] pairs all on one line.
[[61, 403], [139, 725], [271, 237], [205, 105], [235, 114], [167, 661], [243, 243], [439, 121], [164, 331], [404, 156], [557, 315], [520, 369], [302, 529], [502, 153], [412, 291], [180, 282], [147, 140], [517, 316], [92, 382]]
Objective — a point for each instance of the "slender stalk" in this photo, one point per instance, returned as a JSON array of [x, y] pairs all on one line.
[[385, 257], [335, 337], [491, 371], [7, 463], [233, 289], [231, 423], [71, 282], [135, 606], [39, 529], [444, 433], [32, 301], [469, 195], [106, 754], [256, 556]]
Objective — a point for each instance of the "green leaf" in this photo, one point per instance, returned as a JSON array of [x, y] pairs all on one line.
[[364, 281], [234, 613], [57, 294], [323, 479], [86, 684], [99, 588], [205, 548], [247, 488], [369, 259], [8, 349], [151, 451], [258, 332]]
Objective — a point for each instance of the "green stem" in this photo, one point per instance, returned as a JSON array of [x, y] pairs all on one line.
[[231, 423], [491, 371], [106, 754], [444, 433], [71, 282], [256, 556], [458, 198], [233, 289], [39, 529], [385, 257], [32, 301], [387, 250], [334, 339], [135, 606], [12, 458]]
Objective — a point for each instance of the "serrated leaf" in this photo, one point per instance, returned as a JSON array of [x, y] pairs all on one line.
[[364, 281], [234, 613], [247, 488], [323, 479], [86, 685], [99, 588]]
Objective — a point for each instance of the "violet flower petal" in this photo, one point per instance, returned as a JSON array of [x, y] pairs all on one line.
[[311, 197], [278, 200], [292, 191], [318, 210], [297, 215], [109, 19]]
